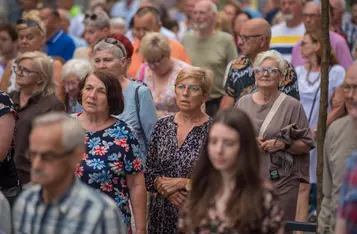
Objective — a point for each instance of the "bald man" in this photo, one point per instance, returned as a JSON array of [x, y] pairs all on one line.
[[312, 22], [339, 182], [209, 48], [254, 39]]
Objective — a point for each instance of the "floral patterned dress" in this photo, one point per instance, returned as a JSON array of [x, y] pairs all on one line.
[[111, 154], [166, 158], [215, 222]]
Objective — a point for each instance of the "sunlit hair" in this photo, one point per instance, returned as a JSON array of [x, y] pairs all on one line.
[[271, 54], [117, 22], [100, 20], [154, 45], [116, 51], [80, 68], [35, 16], [72, 131], [43, 65], [317, 37], [244, 204], [203, 76]]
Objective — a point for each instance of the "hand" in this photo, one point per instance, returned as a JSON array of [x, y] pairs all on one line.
[[314, 132], [166, 185], [177, 198], [272, 146], [259, 142]]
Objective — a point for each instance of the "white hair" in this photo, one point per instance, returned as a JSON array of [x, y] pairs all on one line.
[[117, 52], [77, 67], [271, 54], [73, 134], [117, 22]]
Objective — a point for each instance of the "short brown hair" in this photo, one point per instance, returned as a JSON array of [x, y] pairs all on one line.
[[114, 90]]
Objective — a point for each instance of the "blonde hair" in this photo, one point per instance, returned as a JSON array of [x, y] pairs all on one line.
[[223, 24], [202, 75], [154, 45], [271, 54], [35, 16], [42, 64]]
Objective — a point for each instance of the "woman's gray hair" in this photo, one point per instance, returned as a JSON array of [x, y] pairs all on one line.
[[271, 54], [77, 67], [117, 52], [43, 65], [101, 20], [117, 22], [73, 134]]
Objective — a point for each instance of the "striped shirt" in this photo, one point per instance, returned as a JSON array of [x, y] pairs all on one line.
[[80, 210], [284, 39], [350, 30]]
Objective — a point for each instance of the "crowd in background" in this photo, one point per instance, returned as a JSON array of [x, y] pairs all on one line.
[[139, 116]]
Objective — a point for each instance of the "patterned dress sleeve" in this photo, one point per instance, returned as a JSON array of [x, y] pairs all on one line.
[[273, 219], [132, 157], [230, 85], [289, 85], [152, 167], [6, 105]]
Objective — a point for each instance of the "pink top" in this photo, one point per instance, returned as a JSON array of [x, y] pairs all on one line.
[[339, 46]]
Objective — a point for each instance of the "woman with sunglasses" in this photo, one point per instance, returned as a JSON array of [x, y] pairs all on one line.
[[31, 32], [309, 78], [281, 128], [160, 72]]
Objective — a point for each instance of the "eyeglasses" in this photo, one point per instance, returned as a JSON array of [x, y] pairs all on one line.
[[155, 63], [245, 38], [91, 16], [191, 88], [113, 41], [22, 71], [29, 23], [310, 15], [48, 156], [349, 87], [260, 71]]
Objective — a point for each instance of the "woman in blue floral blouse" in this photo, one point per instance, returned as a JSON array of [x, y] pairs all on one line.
[[112, 161]]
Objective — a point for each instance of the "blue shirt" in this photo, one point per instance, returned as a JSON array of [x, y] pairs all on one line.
[[120, 9], [60, 45], [147, 112], [79, 210]]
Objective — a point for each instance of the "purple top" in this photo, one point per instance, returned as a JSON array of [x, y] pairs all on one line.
[[339, 46]]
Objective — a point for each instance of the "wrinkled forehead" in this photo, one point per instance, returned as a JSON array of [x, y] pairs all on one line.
[[203, 6], [351, 75], [251, 29]]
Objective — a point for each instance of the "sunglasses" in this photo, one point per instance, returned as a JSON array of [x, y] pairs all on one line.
[[91, 16], [29, 23], [113, 41]]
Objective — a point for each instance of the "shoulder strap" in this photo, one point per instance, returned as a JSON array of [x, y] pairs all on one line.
[[137, 106], [271, 114]]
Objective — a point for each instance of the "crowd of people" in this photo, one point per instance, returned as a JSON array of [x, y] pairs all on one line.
[[175, 117]]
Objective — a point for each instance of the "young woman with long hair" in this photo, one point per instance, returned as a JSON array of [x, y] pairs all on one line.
[[228, 194]]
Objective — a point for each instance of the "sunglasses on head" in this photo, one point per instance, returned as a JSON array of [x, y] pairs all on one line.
[[91, 16], [115, 42], [29, 23]]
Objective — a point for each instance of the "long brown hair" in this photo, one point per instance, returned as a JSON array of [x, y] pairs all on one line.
[[244, 205], [317, 37]]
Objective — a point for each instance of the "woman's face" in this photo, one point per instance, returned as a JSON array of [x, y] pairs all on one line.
[[71, 83], [105, 59], [239, 21], [30, 39], [268, 74], [308, 47], [189, 95], [94, 96], [26, 76], [159, 64], [223, 147], [230, 12]]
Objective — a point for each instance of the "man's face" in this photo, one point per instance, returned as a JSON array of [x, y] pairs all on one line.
[[350, 91], [312, 18], [230, 12], [144, 24], [92, 35], [291, 9], [7, 46], [203, 16], [48, 18], [49, 164], [189, 7], [249, 40]]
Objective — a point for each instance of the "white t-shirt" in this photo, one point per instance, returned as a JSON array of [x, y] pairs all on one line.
[[307, 93], [284, 38]]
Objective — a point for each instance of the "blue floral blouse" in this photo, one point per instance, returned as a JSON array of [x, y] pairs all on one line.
[[110, 155]]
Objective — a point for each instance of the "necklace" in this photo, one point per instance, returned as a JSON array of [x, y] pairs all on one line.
[[311, 83]]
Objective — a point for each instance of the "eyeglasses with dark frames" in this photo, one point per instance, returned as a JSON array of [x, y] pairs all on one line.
[[113, 41], [48, 156], [245, 38], [22, 71]]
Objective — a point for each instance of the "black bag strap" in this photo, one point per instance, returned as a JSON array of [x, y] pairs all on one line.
[[313, 103], [137, 106]]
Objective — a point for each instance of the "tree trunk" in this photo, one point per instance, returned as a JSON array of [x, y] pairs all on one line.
[[321, 127]]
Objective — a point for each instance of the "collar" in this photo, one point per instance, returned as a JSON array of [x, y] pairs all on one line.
[[55, 37], [16, 99]]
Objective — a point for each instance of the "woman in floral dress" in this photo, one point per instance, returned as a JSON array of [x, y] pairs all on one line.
[[112, 162], [174, 148]]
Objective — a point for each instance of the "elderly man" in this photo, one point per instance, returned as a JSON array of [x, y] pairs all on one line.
[[340, 141], [312, 22], [59, 203], [349, 27], [147, 19], [337, 8], [286, 34], [210, 48], [346, 222], [254, 39]]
